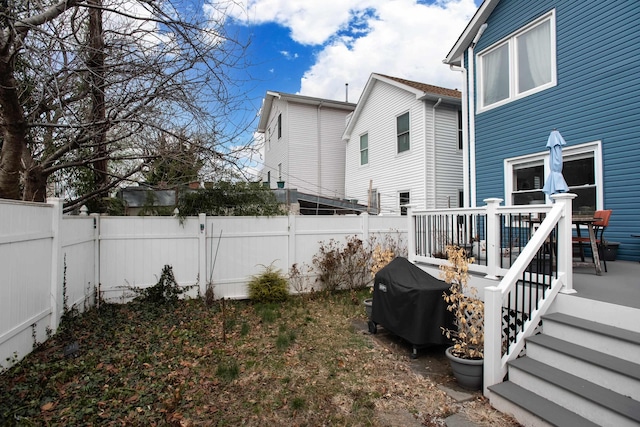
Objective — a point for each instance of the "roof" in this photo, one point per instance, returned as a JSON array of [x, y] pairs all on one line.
[[454, 57], [426, 88], [422, 91], [271, 96]]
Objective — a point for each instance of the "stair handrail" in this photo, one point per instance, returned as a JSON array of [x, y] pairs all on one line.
[[495, 363]]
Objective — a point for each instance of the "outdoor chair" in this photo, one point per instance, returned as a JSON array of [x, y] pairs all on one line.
[[599, 226]]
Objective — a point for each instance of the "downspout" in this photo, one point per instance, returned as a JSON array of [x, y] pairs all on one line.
[[465, 133], [472, 114], [318, 142], [433, 155]]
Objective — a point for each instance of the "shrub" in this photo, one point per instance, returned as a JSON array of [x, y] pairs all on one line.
[[343, 267], [269, 286], [166, 290]]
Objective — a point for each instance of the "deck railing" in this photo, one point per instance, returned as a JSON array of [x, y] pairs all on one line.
[[528, 246]]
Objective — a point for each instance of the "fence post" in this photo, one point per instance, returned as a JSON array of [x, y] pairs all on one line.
[[57, 281], [96, 256], [565, 247], [365, 226], [411, 235], [291, 255], [202, 254], [493, 237]]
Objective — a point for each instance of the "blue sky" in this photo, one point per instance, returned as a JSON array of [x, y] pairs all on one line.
[[314, 47]]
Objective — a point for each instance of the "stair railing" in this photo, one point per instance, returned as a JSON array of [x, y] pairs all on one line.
[[514, 307]]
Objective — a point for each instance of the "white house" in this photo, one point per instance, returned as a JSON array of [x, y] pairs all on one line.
[[303, 143], [404, 146]]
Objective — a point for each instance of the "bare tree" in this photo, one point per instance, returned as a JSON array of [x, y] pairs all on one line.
[[88, 90]]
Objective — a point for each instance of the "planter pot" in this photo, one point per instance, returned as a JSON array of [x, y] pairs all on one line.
[[468, 372], [368, 306], [610, 251]]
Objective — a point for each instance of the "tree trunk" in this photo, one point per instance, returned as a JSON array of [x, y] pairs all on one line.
[[96, 66], [14, 132]]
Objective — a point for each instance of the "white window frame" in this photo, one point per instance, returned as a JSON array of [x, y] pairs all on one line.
[[407, 132], [366, 149], [510, 40], [590, 148]]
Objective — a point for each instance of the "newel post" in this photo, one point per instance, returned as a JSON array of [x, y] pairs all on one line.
[[493, 237], [565, 249], [411, 235], [493, 371]]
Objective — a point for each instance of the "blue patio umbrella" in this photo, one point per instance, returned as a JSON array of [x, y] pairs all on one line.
[[555, 182]]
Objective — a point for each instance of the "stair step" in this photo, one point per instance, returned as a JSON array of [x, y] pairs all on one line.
[[607, 339], [603, 397], [612, 363], [546, 410], [606, 330], [608, 371]]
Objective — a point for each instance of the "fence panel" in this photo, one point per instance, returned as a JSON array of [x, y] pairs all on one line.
[[78, 246], [241, 246], [26, 238], [134, 250]]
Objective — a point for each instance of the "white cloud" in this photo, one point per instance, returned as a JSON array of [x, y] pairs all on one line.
[[407, 40], [402, 38]]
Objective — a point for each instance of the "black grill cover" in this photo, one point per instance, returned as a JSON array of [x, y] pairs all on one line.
[[407, 301]]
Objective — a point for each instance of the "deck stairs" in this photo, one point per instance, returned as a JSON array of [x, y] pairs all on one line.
[[583, 369]]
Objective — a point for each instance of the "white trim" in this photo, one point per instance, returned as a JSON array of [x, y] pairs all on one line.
[[592, 148], [514, 94]]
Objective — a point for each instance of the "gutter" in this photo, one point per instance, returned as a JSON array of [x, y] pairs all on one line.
[[433, 155]]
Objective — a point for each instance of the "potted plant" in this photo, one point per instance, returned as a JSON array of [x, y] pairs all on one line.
[[467, 353]]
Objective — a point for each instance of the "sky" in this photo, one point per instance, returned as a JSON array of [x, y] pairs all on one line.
[[315, 47]]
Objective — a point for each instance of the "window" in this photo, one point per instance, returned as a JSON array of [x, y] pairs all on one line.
[[459, 130], [373, 201], [279, 125], [404, 200], [364, 149], [461, 198], [523, 64], [582, 170], [402, 126]]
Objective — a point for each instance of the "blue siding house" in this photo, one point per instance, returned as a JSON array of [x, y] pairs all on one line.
[[533, 66]]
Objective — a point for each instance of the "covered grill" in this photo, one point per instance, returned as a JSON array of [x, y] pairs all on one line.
[[407, 301]]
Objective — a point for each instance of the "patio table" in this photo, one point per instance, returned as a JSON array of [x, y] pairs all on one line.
[[588, 222]]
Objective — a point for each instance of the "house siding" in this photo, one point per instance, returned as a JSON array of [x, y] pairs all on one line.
[[276, 148], [310, 150], [448, 159], [597, 98], [390, 172]]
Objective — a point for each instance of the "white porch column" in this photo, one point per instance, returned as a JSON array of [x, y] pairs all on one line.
[[493, 237]]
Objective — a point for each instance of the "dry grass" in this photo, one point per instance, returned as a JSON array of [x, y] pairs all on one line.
[[296, 364]]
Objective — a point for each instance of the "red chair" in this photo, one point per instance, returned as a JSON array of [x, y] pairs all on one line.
[[598, 229]]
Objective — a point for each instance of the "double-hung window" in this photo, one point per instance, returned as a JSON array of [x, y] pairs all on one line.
[[581, 168], [364, 149], [520, 65], [402, 130]]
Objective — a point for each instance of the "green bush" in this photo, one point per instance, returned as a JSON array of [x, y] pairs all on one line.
[[269, 286]]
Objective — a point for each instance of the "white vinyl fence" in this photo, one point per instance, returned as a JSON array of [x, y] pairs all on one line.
[[51, 262]]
